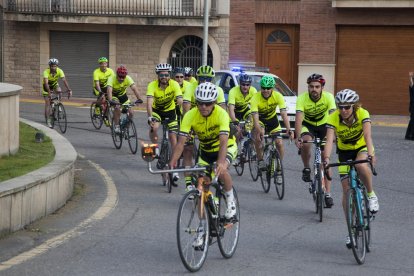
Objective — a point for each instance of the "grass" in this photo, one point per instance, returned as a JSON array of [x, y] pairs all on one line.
[[31, 155]]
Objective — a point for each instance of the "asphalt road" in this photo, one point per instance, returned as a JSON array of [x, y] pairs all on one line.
[[277, 237]]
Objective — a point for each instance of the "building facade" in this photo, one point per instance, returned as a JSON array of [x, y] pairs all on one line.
[[364, 45], [138, 34]]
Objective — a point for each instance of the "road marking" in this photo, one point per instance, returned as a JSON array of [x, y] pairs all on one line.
[[107, 206]]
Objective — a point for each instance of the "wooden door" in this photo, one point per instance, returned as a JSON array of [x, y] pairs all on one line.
[[277, 50]]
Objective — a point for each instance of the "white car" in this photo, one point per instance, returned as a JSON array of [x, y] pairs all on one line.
[[227, 79]]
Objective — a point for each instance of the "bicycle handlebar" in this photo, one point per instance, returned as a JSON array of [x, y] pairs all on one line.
[[348, 163], [181, 170]]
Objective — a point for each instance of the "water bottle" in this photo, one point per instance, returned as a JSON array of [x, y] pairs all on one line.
[[123, 121], [213, 205]]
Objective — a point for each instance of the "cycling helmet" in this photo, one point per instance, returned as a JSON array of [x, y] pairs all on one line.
[[163, 67], [346, 96], [206, 92], [53, 61], [188, 70], [245, 78], [102, 59], [121, 71], [179, 70], [205, 71], [267, 81], [316, 77]]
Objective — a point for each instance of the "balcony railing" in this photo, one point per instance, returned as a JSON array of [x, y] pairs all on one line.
[[141, 8]]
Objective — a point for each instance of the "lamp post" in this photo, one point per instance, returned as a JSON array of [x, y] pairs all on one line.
[[205, 31]]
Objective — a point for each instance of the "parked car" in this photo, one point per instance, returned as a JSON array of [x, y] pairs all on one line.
[[227, 79]]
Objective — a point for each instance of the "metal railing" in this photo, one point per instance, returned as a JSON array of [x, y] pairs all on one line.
[[144, 8]]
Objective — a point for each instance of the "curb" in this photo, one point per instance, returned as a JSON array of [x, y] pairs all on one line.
[[29, 197]]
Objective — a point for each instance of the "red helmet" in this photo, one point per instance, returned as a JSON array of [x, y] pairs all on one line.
[[316, 77], [121, 71]]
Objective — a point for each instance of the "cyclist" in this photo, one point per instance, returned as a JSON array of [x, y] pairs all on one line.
[[100, 80], [350, 124], [188, 75], [205, 74], [263, 108], [161, 96], [50, 85], [117, 93], [178, 74], [312, 111], [211, 124]]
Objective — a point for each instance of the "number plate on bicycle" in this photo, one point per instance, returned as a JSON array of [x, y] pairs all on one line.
[[149, 152]]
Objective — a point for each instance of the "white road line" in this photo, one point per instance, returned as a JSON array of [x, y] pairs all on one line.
[[107, 206]]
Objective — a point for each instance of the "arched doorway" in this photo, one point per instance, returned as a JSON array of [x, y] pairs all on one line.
[[187, 51]]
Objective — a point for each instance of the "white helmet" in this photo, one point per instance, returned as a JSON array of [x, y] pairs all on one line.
[[53, 61], [163, 67], [206, 92], [346, 96], [188, 70]]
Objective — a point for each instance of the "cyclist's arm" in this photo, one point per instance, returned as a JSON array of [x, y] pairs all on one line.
[[231, 113], [285, 118], [66, 84], [256, 121], [178, 150], [109, 92], [135, 90], [98, 86], [180, 100], [186, 107], [366, 127], [330, 135], [46, 85], [150, 100], [298, 124]]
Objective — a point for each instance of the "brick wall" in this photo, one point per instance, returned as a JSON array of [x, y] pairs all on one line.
[[22, 55]]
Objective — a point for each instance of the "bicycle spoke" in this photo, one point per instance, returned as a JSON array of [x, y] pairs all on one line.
[[132, 137], [61, 117], [356, 231], [96, 118]]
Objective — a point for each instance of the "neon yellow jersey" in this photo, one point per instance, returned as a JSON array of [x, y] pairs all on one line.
[[52, 79], [189, 95], [102, 77], [267, 107], [164, 99], [193, 81], [349, 138], [315, 113], [119, 88], [240, 102], [208, 128]]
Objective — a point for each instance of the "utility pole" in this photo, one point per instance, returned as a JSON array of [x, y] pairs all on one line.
[[205, 31]]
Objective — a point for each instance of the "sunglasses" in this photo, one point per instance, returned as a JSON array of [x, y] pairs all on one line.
[[187, 75], [164, 75], [345, 107], [206, 104], [179, 77], [245, 84], [205, 79], [121, 78], [267, 88]]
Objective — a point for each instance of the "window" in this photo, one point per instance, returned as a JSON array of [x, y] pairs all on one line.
[[278, 37], [188, 52]]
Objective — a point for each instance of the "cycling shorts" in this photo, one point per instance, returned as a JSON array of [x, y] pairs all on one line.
[[163, 115], [345, 155], [53, 89], [271, 126], [208, 158], [97, 93], [121, 99], [242, 116], [314, 132]]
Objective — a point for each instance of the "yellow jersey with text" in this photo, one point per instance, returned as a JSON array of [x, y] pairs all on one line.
[[240, 102], [266, 108], [119, 88], [102, 77], [164, 100], [52, 79], [315, 113]]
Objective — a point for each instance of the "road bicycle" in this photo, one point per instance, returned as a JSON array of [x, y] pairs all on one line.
[[243, 147], [274, 167], [358, 216], [197, 205], [164, 155], [58, 112], [101, 114], [127, 131], [316, 187]]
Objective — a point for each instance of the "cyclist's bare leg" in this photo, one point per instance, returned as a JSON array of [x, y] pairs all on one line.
[[258, 143], [47, 106], [345, 187], [280, 147], [153, 132], [117, 114], [188, 157], [225, 178], [172, 137], [305, 151], [364, 171]]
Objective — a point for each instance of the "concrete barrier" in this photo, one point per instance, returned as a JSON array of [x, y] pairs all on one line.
[[29, 197], [9, 118]]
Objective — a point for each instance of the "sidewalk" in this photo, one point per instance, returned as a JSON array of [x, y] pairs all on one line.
[[377, 120]]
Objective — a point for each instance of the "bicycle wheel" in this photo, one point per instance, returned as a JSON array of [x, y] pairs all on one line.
[[61, 117], [251, 155], [367, 221], [279, 177], [96, 118], [116, 137], [109, 115], [239, 163], [131, 136], [53, 116], [356, 231], [188, 221], [319, 193], [228, 234]]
